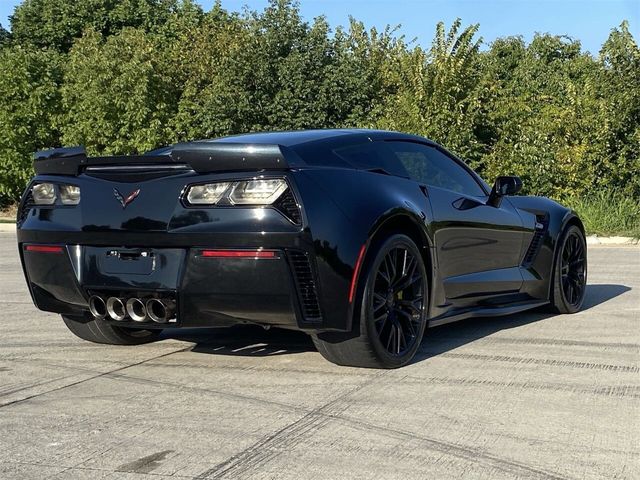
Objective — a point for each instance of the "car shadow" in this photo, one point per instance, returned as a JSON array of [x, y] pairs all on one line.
[[255, 341], [244, 340]]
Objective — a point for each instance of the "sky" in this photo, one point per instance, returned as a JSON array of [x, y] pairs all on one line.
[[589, 21]]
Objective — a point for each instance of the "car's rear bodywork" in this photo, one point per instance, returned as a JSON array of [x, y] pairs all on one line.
[[294, 263]]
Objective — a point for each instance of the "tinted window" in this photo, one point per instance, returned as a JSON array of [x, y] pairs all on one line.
[[319, 155], [372, 156], [430, 166]]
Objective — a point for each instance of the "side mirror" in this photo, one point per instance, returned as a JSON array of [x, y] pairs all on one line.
[[504, 186]]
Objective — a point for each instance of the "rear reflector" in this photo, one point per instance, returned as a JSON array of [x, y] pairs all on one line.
[[356, 271], [238, 253], [44, 248]]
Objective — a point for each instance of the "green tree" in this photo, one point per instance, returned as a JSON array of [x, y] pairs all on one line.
[[262, 71], [436, 91], [124, 76], [56, 23], [113, 99], [5, 36], [538, 97], [29, 101], [283, 70], [367, 72], [617, 88]]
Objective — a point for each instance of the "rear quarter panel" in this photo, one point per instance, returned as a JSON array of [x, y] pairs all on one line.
[[344, 208]]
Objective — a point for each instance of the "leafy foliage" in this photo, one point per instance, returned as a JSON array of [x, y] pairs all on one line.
[[435, 96], [5, 36], [126, 76], [97, 114], [29, 103], [56, 23]]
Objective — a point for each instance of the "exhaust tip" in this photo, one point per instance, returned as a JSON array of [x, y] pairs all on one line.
[[97, 307], [136, 310], [116, 309], [157, 311]]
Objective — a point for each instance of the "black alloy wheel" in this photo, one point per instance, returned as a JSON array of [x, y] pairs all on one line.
[[570, 272], [573, 269], [397, 300]]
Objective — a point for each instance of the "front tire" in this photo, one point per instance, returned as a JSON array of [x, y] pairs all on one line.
[[393, 310], [99, 331], [570, 272]]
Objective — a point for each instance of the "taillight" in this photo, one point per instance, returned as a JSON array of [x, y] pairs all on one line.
[[44, 248], [47, 193], [238, 253], [257, 191], [44, 193], [69, 194]]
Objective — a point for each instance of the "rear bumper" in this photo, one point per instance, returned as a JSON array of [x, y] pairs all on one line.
[[277, 290]]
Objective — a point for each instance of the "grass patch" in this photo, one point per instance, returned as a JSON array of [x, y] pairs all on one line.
[[8, 214], [608, 213]]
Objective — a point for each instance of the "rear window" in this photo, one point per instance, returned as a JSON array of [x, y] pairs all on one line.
[[372, 156], [363, 156]]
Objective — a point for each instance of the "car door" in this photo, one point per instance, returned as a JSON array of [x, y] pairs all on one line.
[[478, 246]]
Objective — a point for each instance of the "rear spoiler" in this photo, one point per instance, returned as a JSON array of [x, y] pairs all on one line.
[[203, 157]]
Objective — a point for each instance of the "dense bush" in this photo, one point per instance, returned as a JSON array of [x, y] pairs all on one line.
[[124, 77]]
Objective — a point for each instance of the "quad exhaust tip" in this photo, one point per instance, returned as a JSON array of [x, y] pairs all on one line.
[[158, 311], [97, 307], [136, 310], [116, 309]]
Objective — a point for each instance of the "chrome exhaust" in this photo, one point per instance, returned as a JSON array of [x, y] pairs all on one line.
[[158, 311], [116, 309], [97, 307], [136, 310]]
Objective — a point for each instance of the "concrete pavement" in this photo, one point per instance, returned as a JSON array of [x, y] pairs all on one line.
[[530, 396]]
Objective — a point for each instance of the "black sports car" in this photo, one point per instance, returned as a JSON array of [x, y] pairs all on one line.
[[360, 238]]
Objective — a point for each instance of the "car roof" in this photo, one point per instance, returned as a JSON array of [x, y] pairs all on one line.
[[293, 138], [299, 137]]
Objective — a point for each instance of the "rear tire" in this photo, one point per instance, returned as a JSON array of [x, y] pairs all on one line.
[[569, 272], [393, 310], [99, 331]]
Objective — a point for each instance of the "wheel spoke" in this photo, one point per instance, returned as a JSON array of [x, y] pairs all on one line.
[[400, 338], [409, 321], [411, 305], [393, 264], [379, 301], [382, 319], [392, 332]]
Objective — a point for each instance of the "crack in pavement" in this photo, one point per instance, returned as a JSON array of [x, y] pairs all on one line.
[[260, 453], [268, 448], [14, 402]]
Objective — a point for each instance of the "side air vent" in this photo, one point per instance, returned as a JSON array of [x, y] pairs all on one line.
[[288, 206], [542, 223], [305, 285], [25, 207]]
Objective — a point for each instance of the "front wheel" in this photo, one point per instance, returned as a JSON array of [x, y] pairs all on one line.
[[570, 272], [393, 306], [99, 331]]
